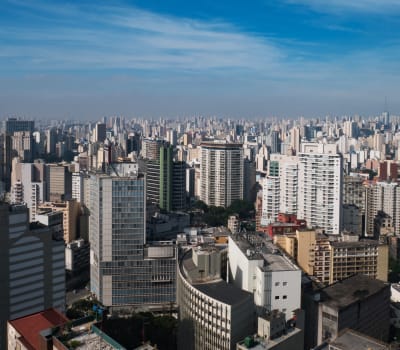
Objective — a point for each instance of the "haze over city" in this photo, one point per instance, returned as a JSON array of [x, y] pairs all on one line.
[[84, 60]]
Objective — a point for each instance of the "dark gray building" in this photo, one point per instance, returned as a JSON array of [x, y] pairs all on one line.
[[14, 125], [358, 302], [32, 274]]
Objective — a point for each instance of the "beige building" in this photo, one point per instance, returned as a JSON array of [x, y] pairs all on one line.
[[71, 212], [331, 259], [214, 315], [59, 182]]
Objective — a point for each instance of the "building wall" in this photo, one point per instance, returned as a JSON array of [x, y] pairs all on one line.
[[320, 187], [121, 274], [33, 268], [278, 290], [242, 269], [369, 316], [208, 324], [221, 176]]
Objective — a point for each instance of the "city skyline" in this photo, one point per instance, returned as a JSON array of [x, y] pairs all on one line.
[[284, 58]]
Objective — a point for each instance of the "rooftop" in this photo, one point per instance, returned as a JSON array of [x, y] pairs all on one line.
[[350, 290], [30, 326], [87, 336], [352, 340], [362, 243], [215, 288], [259, 247]]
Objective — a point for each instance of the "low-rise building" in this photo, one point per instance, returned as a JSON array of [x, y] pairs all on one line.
[[352, 340], [358, 302], [274, 333], [332, 258], [257, 266]]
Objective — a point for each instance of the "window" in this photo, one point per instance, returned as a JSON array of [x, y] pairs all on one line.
[[284, 283], [285, 297], [276, 284], [276, 297]]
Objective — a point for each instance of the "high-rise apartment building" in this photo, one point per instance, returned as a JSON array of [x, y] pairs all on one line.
[[320, 186], [288, 174], [32, 270], [124, 270], [385, 197], [354, 191], [22, 145], [221, 173], [271, 194], [28, 185]]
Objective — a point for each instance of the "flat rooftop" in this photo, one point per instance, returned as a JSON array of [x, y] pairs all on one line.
[[350, 290], [257, 246], [351, 244], [351, 340]]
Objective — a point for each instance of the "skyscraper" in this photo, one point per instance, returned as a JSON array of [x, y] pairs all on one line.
[[124, 270], [99, 132], [320, 186], [14, 125], [221, 177], [275, 142]]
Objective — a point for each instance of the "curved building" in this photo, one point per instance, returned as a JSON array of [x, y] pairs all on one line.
[[214, 315]]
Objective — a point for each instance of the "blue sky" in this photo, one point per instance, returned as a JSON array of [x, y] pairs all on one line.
[[283, 58]]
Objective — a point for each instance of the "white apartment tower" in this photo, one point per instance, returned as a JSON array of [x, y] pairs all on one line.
[[221, 175], [288, 174], [271, 193], [320, 186]]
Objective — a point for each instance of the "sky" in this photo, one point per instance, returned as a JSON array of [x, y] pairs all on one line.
[[175, 58]]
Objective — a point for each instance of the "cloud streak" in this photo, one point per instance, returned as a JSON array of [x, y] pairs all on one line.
[[343, 6]]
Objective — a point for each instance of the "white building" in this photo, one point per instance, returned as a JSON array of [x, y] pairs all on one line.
[[271, 200], [221, 173], [320, 186], [28, 186], [288, 174], [257, 266]]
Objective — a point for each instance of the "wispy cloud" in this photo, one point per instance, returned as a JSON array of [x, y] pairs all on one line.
[[341, 6], [99, 37]]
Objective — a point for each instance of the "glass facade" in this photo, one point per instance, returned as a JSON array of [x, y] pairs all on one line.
[[121, 274]]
